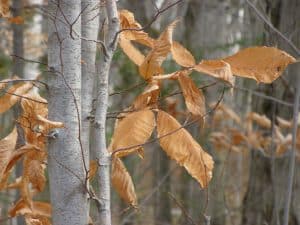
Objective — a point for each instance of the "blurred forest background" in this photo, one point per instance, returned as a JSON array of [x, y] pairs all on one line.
[[249, 180]]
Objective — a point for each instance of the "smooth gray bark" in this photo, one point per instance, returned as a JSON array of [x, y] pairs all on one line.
[[100, 114], [66, 166], [89, 30]]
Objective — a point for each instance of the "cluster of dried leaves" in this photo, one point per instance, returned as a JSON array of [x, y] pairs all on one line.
[[256, 132], [138, 122], [263, 64], [31, 149]]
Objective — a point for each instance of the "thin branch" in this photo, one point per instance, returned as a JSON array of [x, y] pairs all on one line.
[[29, 60], [259, 94], [31, 99], [24, 80], [128, 89]]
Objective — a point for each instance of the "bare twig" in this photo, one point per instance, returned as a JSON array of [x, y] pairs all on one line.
[[259, 94], [31, 99], [24, 80]]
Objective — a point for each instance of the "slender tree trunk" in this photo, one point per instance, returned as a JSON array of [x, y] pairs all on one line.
[[66, 164], [99, 133], [18, 69], [89, 30]]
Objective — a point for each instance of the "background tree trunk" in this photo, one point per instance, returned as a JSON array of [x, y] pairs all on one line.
[[265, 197], [18, 70], [101, 105], [66, 166]]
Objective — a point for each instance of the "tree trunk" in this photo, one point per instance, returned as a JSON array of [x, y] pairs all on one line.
[[18, 69], [266, 195], [66, 166], [101, 104], [89, 30]]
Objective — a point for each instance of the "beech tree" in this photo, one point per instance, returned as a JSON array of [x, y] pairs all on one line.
[[74, 131]]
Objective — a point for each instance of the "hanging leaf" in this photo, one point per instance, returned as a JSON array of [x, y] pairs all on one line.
[[135, 129], [182, 56], [180, 146], [35, 209], [34, 171], [122, 182], [148, 98], [216, 68], [162, 46], [34, 120], [128, 21], [132, 52], [263, 64], [7, 146], [12, 95], [194, 98]]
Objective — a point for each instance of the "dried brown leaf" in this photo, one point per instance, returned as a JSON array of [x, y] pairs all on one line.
[[135, 129], [162, 46], [216, 68], [128, 21], [182, 56], [11, 96], [180, 146], [132, 52], [34, 120], [122, 182], [36, 208], [7, 146], [263, 64], [34, 171], [194, 98], [261, 120], [148, 98], [223, 112], [282, 123]]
